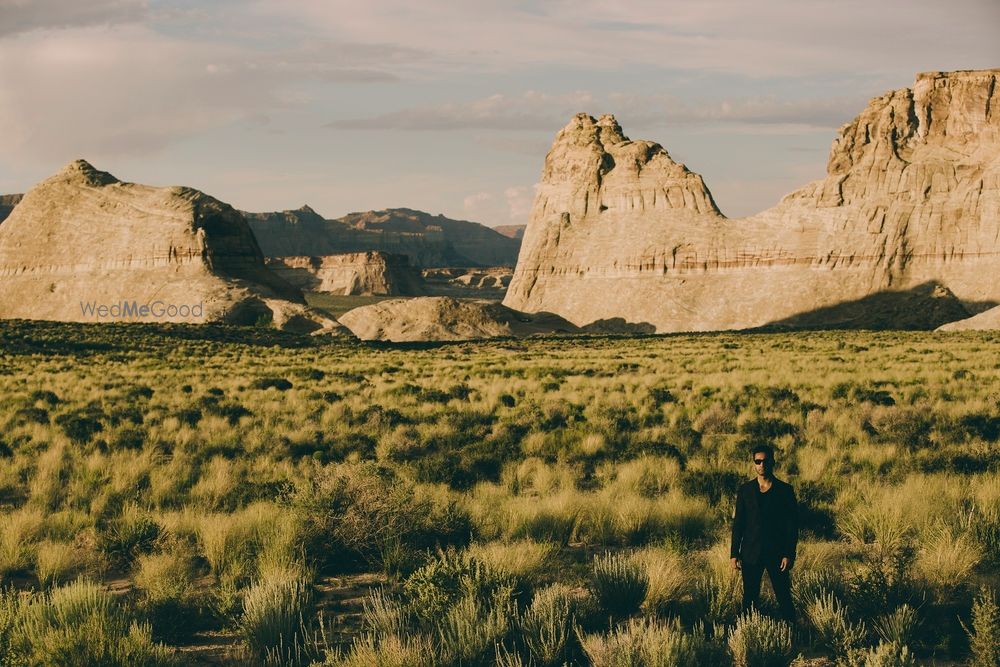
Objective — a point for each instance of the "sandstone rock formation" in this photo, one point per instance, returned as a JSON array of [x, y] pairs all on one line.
[[7, 204], [986, 321], [84, 246], [489, 282], [910, 203], [428, 240], [359, 273], [445, 318]]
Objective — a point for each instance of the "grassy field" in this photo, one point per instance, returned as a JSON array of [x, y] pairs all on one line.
[[213, 495]]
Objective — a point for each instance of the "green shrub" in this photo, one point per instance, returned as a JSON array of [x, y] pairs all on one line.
[[653, 642], [899, 626], [449, 577], [547, 626], [281, 384], [984, 636], [619, 584], [342, 504], [81, 625], [834, 630], [131, 533], [759, 641], [472, 629], [273, 612], [717, 599]]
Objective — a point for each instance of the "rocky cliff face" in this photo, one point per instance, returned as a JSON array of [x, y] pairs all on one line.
[[910, 207], [7, 204], [362, 273], [82, 239], [428, 240]]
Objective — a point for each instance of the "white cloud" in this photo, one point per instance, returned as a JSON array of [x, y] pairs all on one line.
[[538, 111], [18, 16], [531, 110], [102, 92], [519, 201], [762, 39], [475, 202]]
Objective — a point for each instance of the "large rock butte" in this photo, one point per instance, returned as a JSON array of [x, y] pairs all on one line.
[[82, 239], [359, 273], [428, 240], [910, 208]]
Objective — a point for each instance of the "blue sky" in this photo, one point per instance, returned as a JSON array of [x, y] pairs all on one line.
[[450, 107]]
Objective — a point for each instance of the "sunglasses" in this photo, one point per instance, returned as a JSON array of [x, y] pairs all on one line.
[[760, 462]]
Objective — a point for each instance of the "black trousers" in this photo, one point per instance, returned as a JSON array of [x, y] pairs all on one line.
[[781, 582]]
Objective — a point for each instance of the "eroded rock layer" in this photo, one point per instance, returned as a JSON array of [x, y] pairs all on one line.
[[911, 198], [84, 246], [361, 273]]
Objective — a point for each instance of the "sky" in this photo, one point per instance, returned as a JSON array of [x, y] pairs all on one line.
[[450, 107]]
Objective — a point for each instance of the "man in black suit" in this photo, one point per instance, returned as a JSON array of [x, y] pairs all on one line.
[[765, 534]]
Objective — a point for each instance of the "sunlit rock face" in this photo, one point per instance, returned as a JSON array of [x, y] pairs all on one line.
[[82, 239], [910, 206]]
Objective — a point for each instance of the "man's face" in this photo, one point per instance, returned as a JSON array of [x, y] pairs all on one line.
[[763, 463]]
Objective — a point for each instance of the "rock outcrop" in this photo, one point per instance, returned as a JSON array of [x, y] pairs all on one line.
[[84, 246], [360, 273], [7, 204], [911, 198], [488, 282], [428, 240], [445, 318], [986, 321]]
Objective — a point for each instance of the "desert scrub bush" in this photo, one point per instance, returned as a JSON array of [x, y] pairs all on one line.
[[525, 560], [57, 562], [19, 534], [648, 642], [946, 560], [832, 625], [447, 578], [274, 609], [547, 626], [984, 635], [371, 513], [133, 532], [886, 654], [716, 598], [169, 595], [759, 641], [667, 576], [390, 651], [472, 629], [898, 626], [80, 624], [619, 584]]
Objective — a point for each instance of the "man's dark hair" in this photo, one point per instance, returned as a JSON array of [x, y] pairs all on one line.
[[762, 448]]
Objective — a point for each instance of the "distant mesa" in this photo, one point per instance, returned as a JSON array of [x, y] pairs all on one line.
[[83, 246], [511, 231], [428, 240], [446, 319], [912, 197], [7, 204], [370, 273]]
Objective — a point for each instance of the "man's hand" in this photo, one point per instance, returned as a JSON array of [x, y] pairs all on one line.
[[785, 565], [735, 563]]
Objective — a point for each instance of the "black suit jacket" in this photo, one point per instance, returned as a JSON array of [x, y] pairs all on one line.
[[748, 532]]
